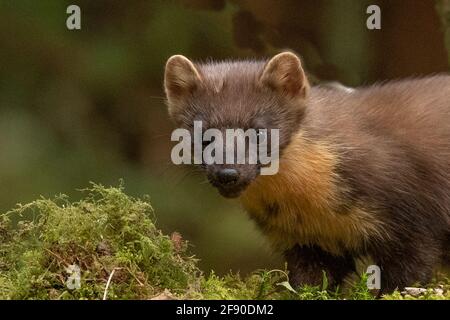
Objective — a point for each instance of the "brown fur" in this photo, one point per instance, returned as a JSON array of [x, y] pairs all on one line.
[[363, 172]]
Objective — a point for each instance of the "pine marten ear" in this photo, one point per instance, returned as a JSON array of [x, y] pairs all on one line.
[[180, 80], [284, 74]]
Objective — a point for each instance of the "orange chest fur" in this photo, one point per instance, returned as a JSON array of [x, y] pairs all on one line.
[[302, 203]]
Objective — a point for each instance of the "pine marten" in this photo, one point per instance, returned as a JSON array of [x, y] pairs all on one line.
[[363, 172]]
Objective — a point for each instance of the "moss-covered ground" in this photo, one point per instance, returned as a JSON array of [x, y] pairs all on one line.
[[111, 239]]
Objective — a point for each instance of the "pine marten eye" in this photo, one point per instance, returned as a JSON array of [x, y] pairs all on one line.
[[262, 136], [206, 143]]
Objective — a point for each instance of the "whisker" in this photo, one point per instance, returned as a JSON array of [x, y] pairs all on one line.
[[157, 97]]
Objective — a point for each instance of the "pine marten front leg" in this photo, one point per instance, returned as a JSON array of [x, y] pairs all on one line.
[[410, 262], [306, 265], [406, 261]]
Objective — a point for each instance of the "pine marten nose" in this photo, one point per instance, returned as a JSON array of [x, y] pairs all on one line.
[[227, 176]]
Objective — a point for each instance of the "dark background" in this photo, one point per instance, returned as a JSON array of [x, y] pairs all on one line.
[[88, 105]]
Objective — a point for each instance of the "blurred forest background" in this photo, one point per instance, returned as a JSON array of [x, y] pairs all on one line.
[[88, 105]]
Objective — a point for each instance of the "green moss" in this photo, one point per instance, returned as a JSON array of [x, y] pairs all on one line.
[[111, 236], [105, 231]]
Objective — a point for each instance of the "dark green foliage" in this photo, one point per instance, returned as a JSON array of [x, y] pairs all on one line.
[[443, 8]]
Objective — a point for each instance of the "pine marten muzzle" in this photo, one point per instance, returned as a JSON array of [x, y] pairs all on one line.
[[363, 172]]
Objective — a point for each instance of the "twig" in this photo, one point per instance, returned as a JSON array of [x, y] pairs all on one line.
[[131, 273], [109, 281], [57, 256]]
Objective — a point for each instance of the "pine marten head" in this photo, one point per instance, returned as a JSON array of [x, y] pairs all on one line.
[[237, 95]]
